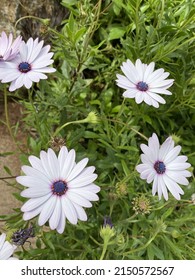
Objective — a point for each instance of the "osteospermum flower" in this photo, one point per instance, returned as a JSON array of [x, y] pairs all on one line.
[[162, 166], [6, 249], [58, 188], [28, 66], [143, 83], [9, 48]]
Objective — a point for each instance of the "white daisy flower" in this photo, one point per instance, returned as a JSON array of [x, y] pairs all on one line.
[[143, 83], [58, 188], [9, 48], [6, 249], [163, 166], [28, 66]]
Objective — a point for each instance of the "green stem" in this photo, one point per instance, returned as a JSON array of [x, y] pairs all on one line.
[[104, 250], [92, 29], [142, 247], [32, 17], [6, 178], [128, 219], [133, 129], [66, 124]]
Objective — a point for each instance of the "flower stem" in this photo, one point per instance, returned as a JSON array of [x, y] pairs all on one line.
[[66, 124], [104, 250], [142, 247]]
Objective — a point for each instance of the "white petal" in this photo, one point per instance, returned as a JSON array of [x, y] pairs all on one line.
[[172, 154], [69, 210], [160, 90], [54, 164], [146, 173], [81, 181], [139, 97], [2, 240], [31, 214], [151, 176], [77, 169], [156, 97], [32, 182], [45, 70], [56, 215], [74, 197], [177, 166], [146, 160], [61, 157], [173, 187], [35, 192], [180, 159], [85, 194], [10, 76], [36, 50], [33, 203], [33, 76], [165, 148], [142, 167], [155, 185], [130, 71], [177, 177], [140, 69], [27, 81], [154, 103], [23, 52], [148, 99], [42, 63], [19, 82], [30, 45], [6, 251], [130, 93], [37, 164], [150, 154], [81, 214], [30, 171], [148, 71], [68, 164], [155, 75], [92, 188], [45, 164], [153, 144], [62, 222], [164, 83], [47, 210], [162, 187]]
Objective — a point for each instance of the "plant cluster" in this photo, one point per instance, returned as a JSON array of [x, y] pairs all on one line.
[[97, 108]]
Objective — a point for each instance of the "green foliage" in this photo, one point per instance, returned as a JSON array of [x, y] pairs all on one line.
[[89, 50]]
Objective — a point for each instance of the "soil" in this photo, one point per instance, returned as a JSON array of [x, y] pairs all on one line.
[[7, 145]]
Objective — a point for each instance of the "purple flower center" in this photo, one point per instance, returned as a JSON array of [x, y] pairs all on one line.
[[59, 188], [24, 67], [160, 167], [142, 86]]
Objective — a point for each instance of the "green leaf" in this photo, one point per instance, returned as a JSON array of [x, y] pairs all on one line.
[[116, 33], [7, 170], [79, 34], [125, 167]]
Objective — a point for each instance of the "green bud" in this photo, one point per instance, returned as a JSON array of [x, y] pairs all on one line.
[[45, 21], [92, 117], [175, 233], [107, 233], [176, 138]]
